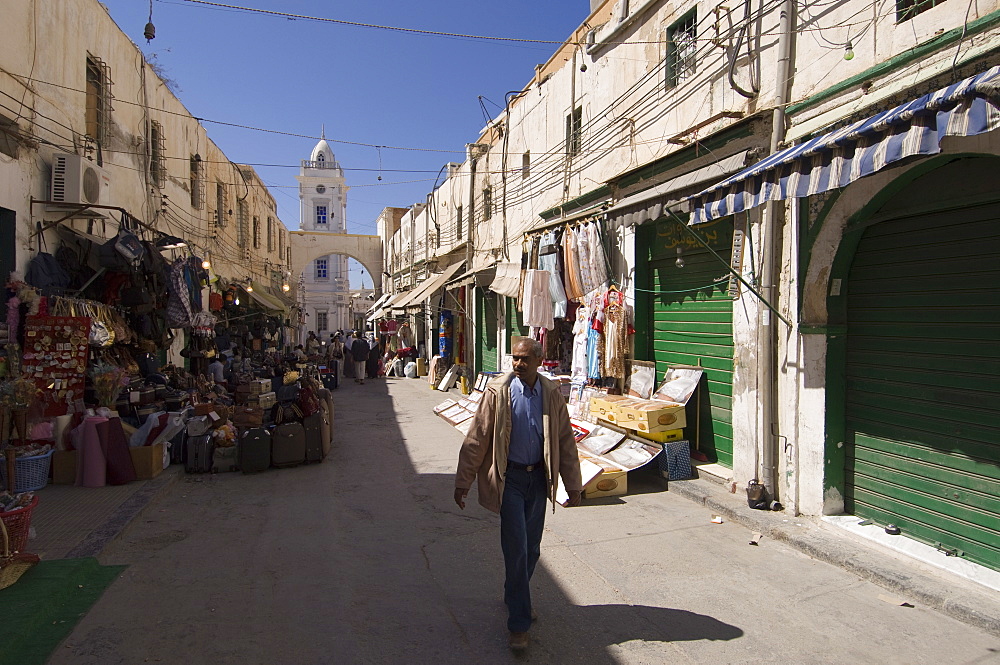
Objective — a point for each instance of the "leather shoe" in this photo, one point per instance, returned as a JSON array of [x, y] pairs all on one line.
[[518, 641]]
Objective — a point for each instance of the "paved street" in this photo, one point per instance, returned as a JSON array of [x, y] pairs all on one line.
[[365, 559]]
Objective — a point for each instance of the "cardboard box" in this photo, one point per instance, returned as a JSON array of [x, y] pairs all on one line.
[[603, 406], [662, 437], [608, 483], [651, 416], [64, 467], [148, 461]]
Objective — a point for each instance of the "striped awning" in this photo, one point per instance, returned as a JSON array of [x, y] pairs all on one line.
[[836, 159]]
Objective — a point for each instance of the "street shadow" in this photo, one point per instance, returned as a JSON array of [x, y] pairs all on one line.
[[601, 626]]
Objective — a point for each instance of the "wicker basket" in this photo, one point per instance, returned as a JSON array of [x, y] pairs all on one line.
[[17, 523], [30, 473]]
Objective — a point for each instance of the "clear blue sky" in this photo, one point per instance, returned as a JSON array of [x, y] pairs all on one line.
[[366, 85]]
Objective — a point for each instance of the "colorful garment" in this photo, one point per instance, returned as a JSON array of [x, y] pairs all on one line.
[[614, 321]]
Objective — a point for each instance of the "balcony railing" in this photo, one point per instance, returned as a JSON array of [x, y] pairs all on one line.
[[309, 164]]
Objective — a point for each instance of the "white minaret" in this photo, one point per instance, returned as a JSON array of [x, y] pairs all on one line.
[[322, 208]]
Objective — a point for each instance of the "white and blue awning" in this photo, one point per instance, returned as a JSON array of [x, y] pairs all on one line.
[[840, 157]]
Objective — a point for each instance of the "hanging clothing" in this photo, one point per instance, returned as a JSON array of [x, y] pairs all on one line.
[[574, 289], [179, 299], [593, 353], [614, 321], [537, 301], [548, 260], [581, 326], [598, 260]]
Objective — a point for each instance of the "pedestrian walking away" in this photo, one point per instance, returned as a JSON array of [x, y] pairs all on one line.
[[359, 352], [519, 442]]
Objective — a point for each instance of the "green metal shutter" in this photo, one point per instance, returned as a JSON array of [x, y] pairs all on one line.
[[692, 324], [923, 393], [486, 331], [514, 322]]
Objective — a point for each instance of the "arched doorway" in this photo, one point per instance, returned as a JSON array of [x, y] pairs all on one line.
[[922, 361]]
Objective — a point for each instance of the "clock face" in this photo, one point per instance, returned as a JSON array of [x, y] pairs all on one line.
[[320, 189]]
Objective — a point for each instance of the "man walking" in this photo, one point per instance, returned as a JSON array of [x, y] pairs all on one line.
[[520, 440], [359, 352]]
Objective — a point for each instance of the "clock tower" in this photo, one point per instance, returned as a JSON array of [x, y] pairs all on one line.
[[322, 208]]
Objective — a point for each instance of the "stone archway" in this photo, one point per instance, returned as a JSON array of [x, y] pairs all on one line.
[[308, 246]]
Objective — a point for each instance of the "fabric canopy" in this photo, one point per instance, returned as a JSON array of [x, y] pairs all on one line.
[[836, 159], [508, 279], [265, 303], [648, 204], [260, 293], [430, 285], [378, 303], [479, 276]]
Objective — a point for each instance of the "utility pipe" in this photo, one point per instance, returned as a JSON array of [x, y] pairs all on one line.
[[470, 305], [767, 387]]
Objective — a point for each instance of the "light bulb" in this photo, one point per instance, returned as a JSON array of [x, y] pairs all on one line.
[[249, 289], [680, 258], [849, 52], [285, 287], [236, 301], [206, 264]]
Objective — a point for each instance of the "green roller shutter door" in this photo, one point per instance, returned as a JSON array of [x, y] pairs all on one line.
[[923, 393], [486, 331], [692, 324]]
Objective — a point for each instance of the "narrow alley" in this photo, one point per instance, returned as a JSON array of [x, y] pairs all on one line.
[[364, 558]]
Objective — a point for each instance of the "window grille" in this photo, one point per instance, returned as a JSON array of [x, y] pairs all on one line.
[[157, 154], [242, 223], [907, 9], [682, 47], [574, 129], [221, 205], [98, 102], [487, 203], [197, 183]]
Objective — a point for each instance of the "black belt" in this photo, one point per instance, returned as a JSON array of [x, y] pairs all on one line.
[[524, 467]]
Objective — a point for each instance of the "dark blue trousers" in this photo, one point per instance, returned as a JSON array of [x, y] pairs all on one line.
[[522, 519]]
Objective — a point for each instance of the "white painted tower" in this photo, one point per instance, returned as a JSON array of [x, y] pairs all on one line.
[[322, 208]]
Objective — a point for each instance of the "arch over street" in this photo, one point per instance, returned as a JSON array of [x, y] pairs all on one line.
[[307, 246]]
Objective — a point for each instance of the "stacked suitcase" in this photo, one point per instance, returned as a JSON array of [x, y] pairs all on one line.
[[261, 444]]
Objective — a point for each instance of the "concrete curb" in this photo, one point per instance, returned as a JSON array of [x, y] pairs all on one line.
[[960, 599], [98, 539]]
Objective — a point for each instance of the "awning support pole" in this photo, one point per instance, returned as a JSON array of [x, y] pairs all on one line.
[[704, 243]]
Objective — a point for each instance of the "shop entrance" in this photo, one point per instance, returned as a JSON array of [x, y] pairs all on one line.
[[690, 322], [487, 356], [923, 363]]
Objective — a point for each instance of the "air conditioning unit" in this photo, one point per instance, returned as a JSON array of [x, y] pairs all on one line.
[[76, 180]]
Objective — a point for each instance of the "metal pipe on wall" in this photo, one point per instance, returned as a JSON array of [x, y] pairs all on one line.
[[767, 386]]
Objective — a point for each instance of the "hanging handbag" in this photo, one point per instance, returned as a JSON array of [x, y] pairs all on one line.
[[101, 333]]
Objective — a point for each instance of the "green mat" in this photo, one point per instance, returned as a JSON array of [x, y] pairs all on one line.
[[41, 609]]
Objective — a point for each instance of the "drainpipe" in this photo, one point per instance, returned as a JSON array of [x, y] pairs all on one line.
[[470, 304], [767, 385]]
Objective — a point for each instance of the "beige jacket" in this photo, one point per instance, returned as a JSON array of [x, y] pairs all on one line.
[[484, 452]]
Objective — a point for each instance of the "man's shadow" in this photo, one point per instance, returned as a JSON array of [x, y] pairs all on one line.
[[584, 633]]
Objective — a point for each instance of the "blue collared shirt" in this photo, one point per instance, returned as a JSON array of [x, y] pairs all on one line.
[[526, 431]]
